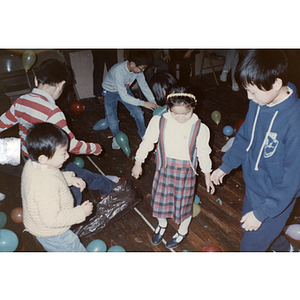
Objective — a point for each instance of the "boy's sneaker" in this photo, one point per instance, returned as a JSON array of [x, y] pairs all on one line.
[[2, 196], [223, 76], [293, 248], [115, 145], [235, 87], [113, 178]]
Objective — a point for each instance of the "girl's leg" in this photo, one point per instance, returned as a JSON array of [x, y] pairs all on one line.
[[180, 235], [184, 226], [159, 231]]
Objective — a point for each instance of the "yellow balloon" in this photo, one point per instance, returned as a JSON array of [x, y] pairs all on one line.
[[196, 209], [216, 116], [28, 59]]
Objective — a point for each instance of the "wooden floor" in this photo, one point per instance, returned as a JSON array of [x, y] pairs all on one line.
[[218, 221]]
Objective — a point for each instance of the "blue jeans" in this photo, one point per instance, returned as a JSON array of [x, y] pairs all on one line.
[[268, 234], [94, 181], [65, 242], [111, 106]]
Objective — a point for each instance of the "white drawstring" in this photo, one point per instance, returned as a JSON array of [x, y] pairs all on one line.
[[253, 129], [266, 137]]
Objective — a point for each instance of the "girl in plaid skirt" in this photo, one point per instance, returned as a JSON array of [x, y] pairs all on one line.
[[181, 138]]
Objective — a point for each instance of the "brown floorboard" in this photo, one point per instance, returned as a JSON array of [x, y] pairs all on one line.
[[218, 221]]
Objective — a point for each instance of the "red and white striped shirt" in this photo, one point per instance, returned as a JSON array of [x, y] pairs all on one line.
[[37, 107]]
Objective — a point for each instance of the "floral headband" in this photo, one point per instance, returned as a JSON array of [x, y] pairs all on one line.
[[181, 95]]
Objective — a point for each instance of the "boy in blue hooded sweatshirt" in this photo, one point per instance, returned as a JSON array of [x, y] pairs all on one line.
[[267, 146]]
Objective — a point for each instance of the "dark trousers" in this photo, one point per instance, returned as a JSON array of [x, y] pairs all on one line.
[[184, 65], [100, 57], [94, 181], [269, 235]]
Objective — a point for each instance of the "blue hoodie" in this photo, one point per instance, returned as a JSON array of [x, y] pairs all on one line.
[[267, 146]]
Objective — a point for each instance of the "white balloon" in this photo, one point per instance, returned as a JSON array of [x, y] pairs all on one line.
[[293, 231], [228, 145]]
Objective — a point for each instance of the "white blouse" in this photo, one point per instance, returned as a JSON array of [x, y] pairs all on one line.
[[176, 141]]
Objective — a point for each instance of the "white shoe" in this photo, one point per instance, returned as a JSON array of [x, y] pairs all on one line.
[[2, 196], [115, 145], [293, 248], [235, 87], [113, 178], [223, 77]]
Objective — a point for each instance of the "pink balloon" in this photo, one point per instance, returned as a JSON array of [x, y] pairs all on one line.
[[293, 231]]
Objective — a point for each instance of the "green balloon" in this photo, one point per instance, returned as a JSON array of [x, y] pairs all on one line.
[[3, 219], [160, 110], [8, 241], [96, 246], [79, 162], [216, 116], [122, 140], [116, 248], [28, 59]]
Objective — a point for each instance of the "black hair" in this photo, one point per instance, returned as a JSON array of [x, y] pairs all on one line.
[[262, 68], [53, 71], [162, 81], [140, 57], [43, 139], [188, 99]]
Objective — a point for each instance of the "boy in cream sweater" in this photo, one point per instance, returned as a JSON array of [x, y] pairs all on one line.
[[48, 210]]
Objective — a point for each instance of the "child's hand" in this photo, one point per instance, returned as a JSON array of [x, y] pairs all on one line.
[[150, 105], [87, 207], [217, 176], [78, 182], [167, 57], [210, 188], [137, 170], [250, 222], [187, 54]]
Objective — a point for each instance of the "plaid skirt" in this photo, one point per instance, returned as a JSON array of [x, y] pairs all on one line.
[[173, 191]]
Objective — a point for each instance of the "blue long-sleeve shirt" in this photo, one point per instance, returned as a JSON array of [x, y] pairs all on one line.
[[118, 79], [267, 146]]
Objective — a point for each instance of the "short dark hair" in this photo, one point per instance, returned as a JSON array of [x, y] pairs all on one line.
[[140, 57], [181, 99], [53, 71], [43, 139], [159, 81], [262, 68]]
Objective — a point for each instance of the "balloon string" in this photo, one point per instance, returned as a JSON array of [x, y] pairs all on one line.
[[95, 166], [28, 78]]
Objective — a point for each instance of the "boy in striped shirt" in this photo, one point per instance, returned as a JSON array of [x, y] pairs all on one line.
[[39, 106]]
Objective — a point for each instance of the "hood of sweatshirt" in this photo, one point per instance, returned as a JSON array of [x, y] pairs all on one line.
[[267, 122]]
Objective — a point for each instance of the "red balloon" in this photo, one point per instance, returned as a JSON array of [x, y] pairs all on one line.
[[17, 214], [77, 107], [238, 124], [211, 248]]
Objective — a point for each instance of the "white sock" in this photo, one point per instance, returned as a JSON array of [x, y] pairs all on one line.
[[184, 226], [162, 223]]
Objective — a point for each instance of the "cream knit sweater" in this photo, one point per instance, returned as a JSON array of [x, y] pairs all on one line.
[[47, 201]]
